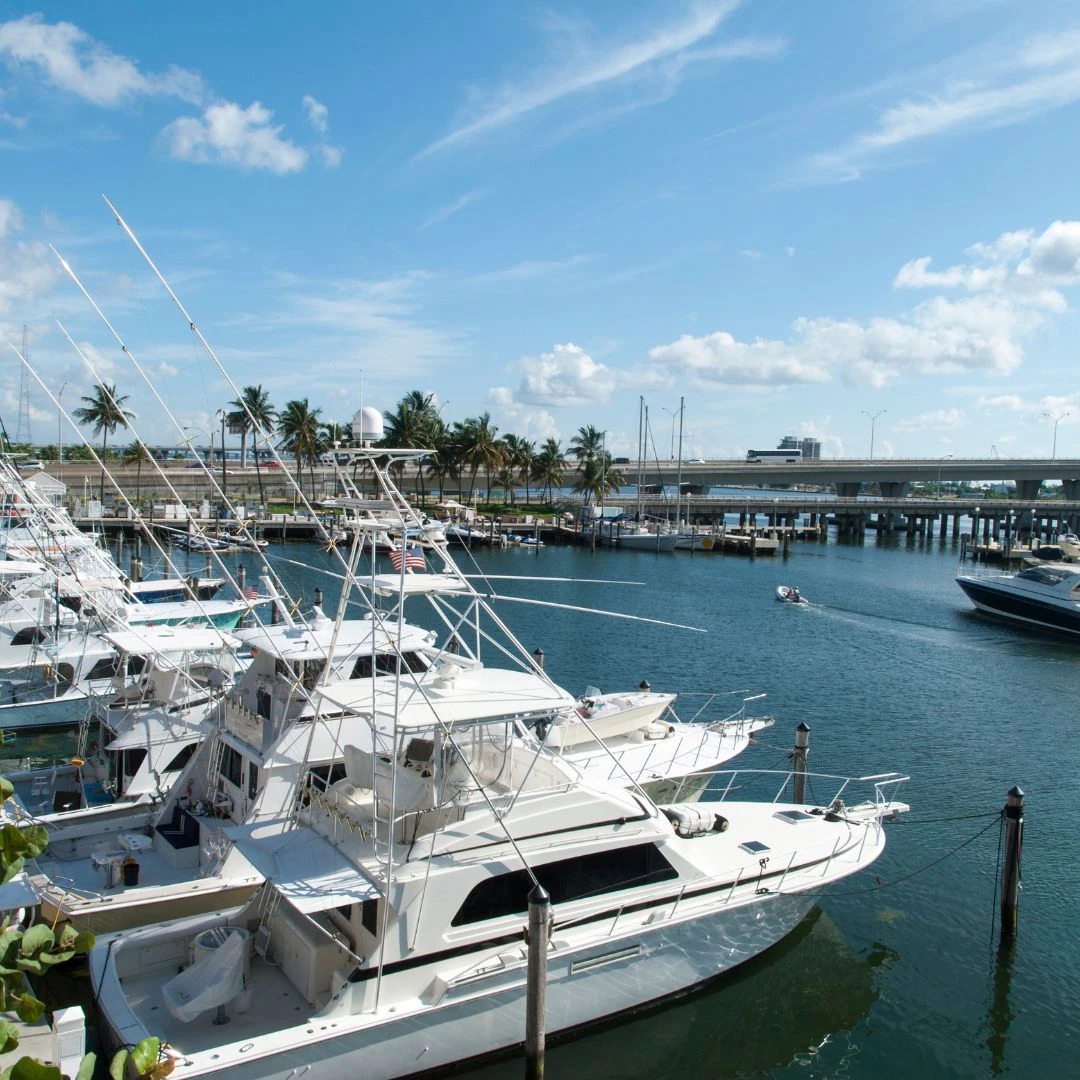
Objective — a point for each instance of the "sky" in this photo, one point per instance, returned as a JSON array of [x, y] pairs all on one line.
[[842, 220]]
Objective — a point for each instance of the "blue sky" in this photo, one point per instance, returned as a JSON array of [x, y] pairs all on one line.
[[793, 215]]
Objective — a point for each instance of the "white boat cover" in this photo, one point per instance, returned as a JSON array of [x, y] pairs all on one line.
[[308, 871], [417, 584], [170, 639], [214, 980]]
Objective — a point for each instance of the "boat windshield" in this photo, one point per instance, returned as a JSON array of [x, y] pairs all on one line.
[[1048, 575]]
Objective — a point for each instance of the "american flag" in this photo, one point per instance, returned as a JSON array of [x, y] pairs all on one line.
[[413, 556], [251, 593]]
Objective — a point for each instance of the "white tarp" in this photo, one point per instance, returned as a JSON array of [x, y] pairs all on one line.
[[214, 980]]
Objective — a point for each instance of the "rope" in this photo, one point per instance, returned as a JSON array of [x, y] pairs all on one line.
[[914, 873]]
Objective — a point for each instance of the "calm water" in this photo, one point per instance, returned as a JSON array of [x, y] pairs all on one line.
[[892, 671]]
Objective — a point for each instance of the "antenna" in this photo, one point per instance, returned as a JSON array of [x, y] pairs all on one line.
[[22, 428]]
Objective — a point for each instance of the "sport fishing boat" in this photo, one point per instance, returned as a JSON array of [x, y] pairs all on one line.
[[390, 924], [165, 683], [1046, 596]]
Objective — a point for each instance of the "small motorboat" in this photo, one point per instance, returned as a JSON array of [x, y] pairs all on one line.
[[789, 594]]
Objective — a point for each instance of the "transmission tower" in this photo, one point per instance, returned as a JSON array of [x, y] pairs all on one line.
[[22, 429]]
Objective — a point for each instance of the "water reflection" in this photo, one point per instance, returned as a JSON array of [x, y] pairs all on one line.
[[999, 1014], [786, 1005]]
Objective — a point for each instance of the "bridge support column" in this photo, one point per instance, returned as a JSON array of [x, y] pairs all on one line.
[[1028, 489], [894, 489], [1071, 489], [943, 528], [848, 489], [956, 527]]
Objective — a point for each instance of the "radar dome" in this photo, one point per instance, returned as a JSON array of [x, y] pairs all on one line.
[[367, 425]]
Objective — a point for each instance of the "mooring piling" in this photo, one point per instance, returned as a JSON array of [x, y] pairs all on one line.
[[536, 985], [1013, 817], [799, 755]]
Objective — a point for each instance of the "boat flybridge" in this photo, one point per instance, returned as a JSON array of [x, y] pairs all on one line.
[[165, 682]]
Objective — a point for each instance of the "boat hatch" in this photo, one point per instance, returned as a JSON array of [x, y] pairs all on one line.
[[793, 817], [754, 846]]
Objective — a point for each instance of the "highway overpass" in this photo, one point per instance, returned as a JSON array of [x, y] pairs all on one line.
[[893, 475]]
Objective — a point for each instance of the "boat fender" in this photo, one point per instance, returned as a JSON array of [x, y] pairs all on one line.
[[658, 730]]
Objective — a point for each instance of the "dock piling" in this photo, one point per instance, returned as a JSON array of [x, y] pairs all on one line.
[[799, 756], [536, 984], [1013, 817]]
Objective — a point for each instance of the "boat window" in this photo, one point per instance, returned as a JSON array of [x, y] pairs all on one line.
[[253, 779], [128, 762], [320, 777], [387, 664], [568, 879], [312, 670], [1044, 575], [369, 916], [105, 669], [29, 635], [231, 763], [182, 758]]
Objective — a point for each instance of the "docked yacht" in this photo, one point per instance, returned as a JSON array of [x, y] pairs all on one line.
[[1045, 596]]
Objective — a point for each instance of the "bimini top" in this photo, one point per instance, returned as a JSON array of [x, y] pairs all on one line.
[[450, 694], [170, 639], [308, 871], [311, 641]]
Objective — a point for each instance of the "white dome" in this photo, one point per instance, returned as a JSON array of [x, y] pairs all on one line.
[[367, 424]]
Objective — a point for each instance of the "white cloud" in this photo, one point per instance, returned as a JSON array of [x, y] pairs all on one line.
[[566, 376], [317, 113], [943, 419], [790, 252], [27, 273], [319, 118], [226, 134], [1012, 286], [1038, 76], [750, 253], [528, 268], [580, 67], [528, 421], [73, 61], [1010, 402], [443, 212]]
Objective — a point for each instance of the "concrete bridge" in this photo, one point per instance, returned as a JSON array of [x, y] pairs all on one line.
[[894, 476]]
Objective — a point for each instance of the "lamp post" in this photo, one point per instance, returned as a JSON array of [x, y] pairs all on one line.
[[222, 417], [873, 423], [1057, 419], [673, 413], [940, 460]]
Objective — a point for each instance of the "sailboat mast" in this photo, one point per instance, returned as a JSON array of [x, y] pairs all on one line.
[[678, 468], [640, 435]]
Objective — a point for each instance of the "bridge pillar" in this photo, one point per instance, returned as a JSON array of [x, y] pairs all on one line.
[[894, 489], [848, 489], [943, 528], [1071, 489], [1027, 489], [956, 527]]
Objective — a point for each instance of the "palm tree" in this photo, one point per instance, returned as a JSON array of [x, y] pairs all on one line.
[[598, 478], [253, 414], [105, 410], [587, 444], [549, 465], [480, 447], [413, 425], [298, 426], [521, 457], [136, 454]]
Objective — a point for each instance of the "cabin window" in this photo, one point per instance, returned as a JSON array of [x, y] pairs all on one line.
[[253, 779], [126, 763], [369, 916], [565, 880], [182, 758], [320, 777], [231, 764], [312, 670], [29, 635], [105, 669]]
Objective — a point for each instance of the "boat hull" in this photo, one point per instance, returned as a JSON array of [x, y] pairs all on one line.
[[485, 1015], [1014, 606]]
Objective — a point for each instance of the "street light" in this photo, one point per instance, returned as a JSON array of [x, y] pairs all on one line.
[[940, 460], [673, 415], [1057, 419], [873, 423]]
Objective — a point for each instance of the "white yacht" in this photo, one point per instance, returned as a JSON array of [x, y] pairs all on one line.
[[1046, 596]]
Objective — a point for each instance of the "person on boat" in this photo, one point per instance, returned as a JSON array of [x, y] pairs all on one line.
[[795, 593]]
